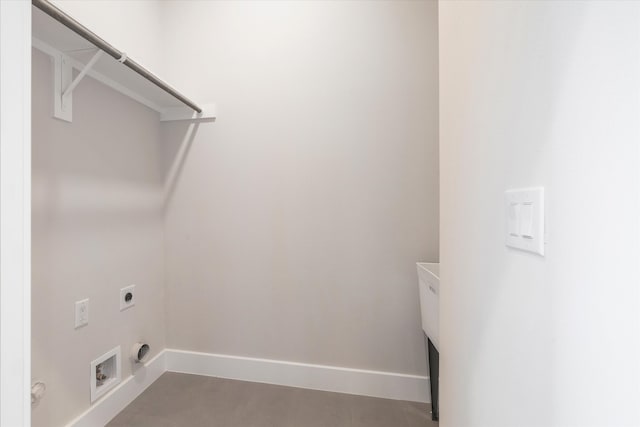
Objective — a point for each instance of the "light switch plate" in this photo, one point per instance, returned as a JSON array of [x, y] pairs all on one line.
[[82, 313], [524, 210]]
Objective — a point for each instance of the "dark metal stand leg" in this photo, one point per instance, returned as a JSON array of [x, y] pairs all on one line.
[[434, 361]]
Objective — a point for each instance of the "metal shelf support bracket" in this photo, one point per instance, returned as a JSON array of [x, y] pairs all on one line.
[[64, 84]]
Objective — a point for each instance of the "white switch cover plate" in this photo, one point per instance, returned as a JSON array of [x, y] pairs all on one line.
[[82, 313], [524, 210], [127, 302]]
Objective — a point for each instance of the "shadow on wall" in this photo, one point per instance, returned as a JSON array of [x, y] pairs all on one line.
[[102, 169], [176, 154]]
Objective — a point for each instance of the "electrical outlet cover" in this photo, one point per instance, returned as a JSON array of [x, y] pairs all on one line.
[[127, 297]]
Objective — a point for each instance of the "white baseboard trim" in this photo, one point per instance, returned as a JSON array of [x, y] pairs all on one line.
[[317, 377], [105, 409]]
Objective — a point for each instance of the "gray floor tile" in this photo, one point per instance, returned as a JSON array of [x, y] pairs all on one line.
[[373, 412], [178, 400], [418, 414], [321, 409]]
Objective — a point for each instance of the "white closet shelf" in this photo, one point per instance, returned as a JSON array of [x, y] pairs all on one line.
[[71, 50]]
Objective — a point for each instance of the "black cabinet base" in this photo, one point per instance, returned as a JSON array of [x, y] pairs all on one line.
[[434, 361]]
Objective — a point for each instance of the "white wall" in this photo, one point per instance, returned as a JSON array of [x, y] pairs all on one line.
[[15, 205], [97, 215], [540, 93], [97, 227], [295, 221]]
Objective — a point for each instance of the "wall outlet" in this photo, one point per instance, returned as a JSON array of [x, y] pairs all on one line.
[[127, 297], [82, 313]]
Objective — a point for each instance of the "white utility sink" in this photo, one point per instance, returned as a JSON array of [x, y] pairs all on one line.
[[429, 288]]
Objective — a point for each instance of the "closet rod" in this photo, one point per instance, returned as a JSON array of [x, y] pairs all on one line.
[[90, 36]]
